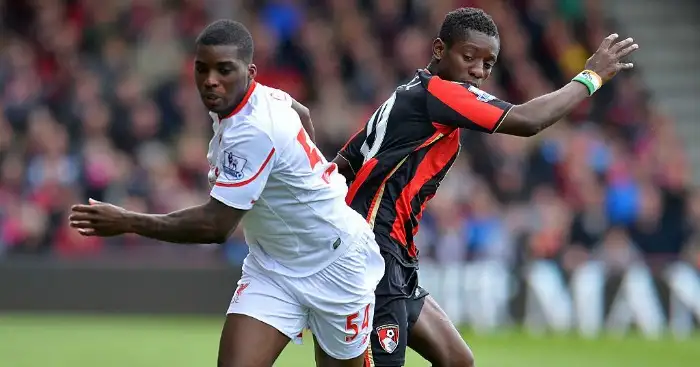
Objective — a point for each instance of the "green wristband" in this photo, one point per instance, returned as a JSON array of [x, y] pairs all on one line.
[[590, 79]]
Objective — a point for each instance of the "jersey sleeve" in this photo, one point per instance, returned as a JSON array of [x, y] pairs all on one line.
[[351, 150], [244, 164], [465, 106]]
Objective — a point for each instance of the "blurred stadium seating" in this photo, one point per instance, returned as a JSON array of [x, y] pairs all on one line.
[[97, 100]]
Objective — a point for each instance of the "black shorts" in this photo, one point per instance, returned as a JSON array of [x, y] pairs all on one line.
[[399, 300]]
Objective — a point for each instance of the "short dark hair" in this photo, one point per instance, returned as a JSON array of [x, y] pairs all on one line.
[[228, 32], [460, 21]]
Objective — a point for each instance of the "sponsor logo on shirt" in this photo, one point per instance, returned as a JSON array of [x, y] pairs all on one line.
[[480, 94]]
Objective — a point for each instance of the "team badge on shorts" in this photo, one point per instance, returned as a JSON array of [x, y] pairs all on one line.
[[388, 336], [239, 290]]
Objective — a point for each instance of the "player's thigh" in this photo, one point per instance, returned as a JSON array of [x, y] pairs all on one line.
[[325, 360], [342, 335], [389, 336], [341, 301], [262, 318], [435, 338], [248, 342]]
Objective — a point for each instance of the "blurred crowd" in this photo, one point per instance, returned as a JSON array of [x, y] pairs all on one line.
[[98, 101]]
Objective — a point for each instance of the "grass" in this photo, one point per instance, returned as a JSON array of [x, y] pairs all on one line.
[[147, 341]]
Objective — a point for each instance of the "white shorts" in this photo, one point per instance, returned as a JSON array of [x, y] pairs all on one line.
[[336, 304]]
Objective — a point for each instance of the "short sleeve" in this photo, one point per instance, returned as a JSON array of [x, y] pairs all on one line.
[[245, 161], [465, 106]]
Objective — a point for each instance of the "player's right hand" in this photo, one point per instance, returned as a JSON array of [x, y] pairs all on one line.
[[98, 219], [606, 61]]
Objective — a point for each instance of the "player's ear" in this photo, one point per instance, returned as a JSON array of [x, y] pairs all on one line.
[[438, 49], [252, 71]]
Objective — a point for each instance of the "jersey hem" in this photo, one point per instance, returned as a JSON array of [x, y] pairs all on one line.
[[286, 271]]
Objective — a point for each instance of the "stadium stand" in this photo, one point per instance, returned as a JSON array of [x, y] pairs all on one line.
[[97, 101]]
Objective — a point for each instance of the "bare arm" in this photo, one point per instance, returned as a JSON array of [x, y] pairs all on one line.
[[344, 168], [350, 159], [305, 117], [542, 112], [467, 107], [212, 222]]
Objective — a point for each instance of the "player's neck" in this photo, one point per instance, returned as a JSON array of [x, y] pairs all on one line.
[[235, 105]]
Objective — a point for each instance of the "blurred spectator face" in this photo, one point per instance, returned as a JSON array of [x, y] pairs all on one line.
[[694, 207], [146, 120], [650, 204], [222, 77], [592, 194], [95, 120], [468, 60], [12, 172], [617, 251], [6, 133]]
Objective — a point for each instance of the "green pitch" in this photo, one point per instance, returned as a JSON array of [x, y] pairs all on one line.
[[118, 341]]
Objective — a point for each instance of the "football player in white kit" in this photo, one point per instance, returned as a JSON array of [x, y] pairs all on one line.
[[313, 261]]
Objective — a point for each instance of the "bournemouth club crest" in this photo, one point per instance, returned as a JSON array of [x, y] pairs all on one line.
[[388, 336]]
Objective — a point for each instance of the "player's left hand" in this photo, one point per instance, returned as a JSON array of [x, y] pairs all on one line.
[[98, 219]]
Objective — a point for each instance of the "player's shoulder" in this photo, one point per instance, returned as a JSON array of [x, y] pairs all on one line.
[[268, 113], [416, 85], [265, 97], [276, 95], [247, 129]]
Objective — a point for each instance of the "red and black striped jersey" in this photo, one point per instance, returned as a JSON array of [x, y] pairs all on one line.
[[405, 150]]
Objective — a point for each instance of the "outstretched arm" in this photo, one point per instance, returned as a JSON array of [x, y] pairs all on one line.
[[465, 106], [531, 117], [245, 164], [211, 222]]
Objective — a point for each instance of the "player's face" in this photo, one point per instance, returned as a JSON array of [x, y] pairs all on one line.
[[222, 78], [467, 61]]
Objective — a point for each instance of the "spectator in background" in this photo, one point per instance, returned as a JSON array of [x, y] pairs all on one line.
[[96, 102]]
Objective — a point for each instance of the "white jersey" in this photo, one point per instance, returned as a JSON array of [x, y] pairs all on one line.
[[262, 160]]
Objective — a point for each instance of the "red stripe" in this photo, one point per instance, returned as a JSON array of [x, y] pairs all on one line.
[[368, 361], [428, 141], [360, 179], [464, 102], [441, 129], [246, 97], [434, 161], [243, 183]]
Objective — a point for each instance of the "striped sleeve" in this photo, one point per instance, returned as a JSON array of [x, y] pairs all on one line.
[[464, 106]]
